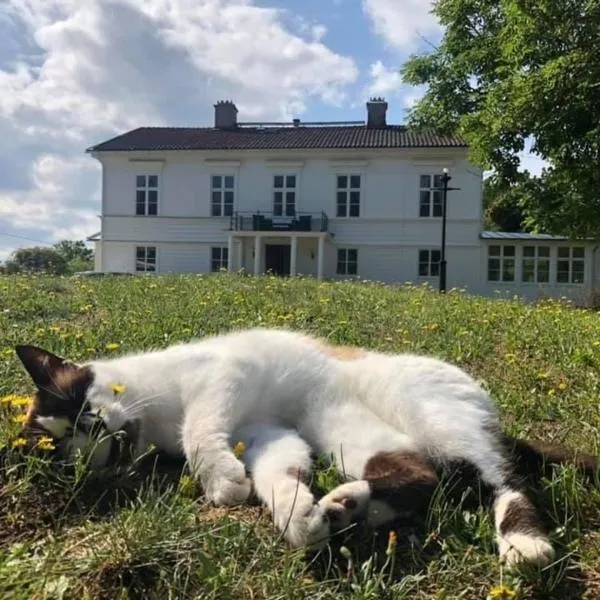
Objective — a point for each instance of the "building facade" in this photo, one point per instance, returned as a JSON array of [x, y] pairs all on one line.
[[335, 200]]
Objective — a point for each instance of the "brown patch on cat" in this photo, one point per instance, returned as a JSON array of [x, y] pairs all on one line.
[[299, 474], [404, 480], [345, 353], [521, 517]]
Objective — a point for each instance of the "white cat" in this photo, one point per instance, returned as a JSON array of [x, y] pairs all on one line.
[[388, 420]]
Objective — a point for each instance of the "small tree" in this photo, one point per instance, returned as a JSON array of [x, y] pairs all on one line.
[[74, 250], [36, 260]]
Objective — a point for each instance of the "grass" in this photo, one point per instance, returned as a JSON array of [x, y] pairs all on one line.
[[66, 533]]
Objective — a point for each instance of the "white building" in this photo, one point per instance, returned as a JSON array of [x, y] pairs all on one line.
[[332, 200]]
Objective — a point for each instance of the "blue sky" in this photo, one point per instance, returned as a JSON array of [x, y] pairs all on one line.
[[74, 73]]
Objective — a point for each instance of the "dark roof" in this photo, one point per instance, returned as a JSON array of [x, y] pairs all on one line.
[[506, 235], [275, 138]]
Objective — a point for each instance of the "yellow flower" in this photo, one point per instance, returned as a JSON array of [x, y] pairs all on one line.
[[562, 386], [117, 388], [113, 346], [16, 400], [392, 543], [187, 486], [239, 449], [46, 443], [20, 419], [19, 442], [501, 592]]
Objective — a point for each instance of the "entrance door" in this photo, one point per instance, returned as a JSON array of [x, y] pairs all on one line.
[[277, 258]]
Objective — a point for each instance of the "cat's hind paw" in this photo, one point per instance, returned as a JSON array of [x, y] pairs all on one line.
[[310, 530], [229, 485], [346, 503]]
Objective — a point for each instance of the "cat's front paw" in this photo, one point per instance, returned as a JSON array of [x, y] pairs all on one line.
[[346, 503], [228, 485]]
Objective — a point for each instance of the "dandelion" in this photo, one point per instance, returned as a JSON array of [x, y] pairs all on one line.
[[562, 386], [501, 592], [117, 388], [239, 449], [46, 443], [112, 346], [20, 419], [19, 442], [392, 543]]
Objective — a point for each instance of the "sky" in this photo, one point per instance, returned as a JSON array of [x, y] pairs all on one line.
[[77, 72]]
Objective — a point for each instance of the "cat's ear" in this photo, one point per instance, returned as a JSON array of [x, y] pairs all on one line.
[[42, 366]]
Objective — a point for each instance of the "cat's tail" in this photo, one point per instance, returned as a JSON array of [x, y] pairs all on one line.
[[536, 458]]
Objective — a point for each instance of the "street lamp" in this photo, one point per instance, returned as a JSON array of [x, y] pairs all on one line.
[[445, 179]]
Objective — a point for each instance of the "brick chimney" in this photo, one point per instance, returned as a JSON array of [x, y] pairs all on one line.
[[376, 109], [225, 115]]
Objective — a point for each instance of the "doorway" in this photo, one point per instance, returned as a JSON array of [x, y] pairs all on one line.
[[277, 259]]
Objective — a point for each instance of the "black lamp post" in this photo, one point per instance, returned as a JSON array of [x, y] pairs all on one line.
[[445, 179]]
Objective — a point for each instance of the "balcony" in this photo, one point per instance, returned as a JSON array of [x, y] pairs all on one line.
[[260, 221]]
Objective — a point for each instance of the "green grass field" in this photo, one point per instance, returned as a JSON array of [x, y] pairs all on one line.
[[66, 533]]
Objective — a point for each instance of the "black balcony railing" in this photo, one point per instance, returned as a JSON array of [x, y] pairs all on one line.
[[260, 221]]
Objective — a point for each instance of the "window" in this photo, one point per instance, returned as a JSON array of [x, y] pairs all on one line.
[[219, 259], [145, 259], [535, 264], [501, 263], [429, 263], [146, 195], [222, 195], [348, 196], [570, 265], [430, 196], [284, 195], [347, 261]]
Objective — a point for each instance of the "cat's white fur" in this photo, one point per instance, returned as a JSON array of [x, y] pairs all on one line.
[[283, 395]]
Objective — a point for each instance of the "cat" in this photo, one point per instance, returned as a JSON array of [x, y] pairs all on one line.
[[388, 420]]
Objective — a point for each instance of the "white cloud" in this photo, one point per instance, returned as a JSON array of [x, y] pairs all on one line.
[[402, 24], [384, 80], [89, 70]]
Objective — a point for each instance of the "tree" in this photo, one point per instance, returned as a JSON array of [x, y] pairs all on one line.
[[72, 250], [508, 71], [502, 205], [36, 260]]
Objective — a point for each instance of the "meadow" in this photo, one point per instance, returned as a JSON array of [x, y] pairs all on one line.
[[147, 533]]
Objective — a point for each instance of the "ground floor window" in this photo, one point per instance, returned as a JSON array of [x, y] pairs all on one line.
[[429, 263], [535, 266], [145, 259], [219, 258], [347, 261], [501, 263], [570, 264]]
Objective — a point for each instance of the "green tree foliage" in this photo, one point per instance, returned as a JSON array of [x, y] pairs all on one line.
[[511, 70], [502, 205], [74, 250], [36, 260]]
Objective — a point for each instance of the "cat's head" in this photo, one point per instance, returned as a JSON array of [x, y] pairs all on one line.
[[74, 410]]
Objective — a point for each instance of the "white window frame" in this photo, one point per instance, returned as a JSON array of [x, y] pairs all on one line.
[[146, 189], [224, 207], [432, 266], [347, 191], [503, 259], [570, 260], [145, 260], [222, 260], [284, 190], [535, 259], [433, 192], [343, 259]]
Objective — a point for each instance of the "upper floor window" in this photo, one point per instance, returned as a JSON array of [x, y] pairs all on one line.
[[535, 266], [501, 263], [284, 195], [570, 266], [145, 259], [348, 196], [429, 263], [219, 258], [146, 195], [347, 261], [222, 195], [430, 196]]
